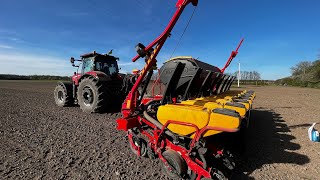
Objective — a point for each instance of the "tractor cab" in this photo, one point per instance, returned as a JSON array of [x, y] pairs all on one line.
[[99, 62]]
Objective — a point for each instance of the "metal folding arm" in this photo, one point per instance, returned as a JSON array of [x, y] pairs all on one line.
[[157, 45], [233, 55]]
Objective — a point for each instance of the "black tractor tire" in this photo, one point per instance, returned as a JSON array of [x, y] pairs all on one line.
[[176, 162], [63, 95], [93, 95]]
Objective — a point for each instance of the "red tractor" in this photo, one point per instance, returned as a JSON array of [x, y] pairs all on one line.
[[98, 87]]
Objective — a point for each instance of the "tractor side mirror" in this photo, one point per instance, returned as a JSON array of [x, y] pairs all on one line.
[[72, 61]]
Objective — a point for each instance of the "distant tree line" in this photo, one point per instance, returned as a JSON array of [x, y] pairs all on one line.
[[304, 74], [248, 75], [32, 77], [250, 78]]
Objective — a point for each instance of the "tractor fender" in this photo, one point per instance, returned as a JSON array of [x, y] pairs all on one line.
[[86, 76], [99, 76]]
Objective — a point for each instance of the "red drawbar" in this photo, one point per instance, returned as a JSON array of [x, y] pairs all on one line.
[[127, 123]]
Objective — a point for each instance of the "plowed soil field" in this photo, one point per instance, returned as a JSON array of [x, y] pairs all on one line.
[[39, 140]]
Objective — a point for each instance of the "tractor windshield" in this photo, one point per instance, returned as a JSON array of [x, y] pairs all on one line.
[[87, 65], [109, 68]]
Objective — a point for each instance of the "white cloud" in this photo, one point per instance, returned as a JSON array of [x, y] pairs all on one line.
[[14, 39], [127, 67], [29, 64], [3, 46]]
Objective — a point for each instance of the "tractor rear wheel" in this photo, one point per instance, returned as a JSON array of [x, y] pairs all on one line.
[[62, 96], [93, 96]]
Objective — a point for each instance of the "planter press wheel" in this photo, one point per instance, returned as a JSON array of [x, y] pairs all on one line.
[[138, 143], [176, 167]]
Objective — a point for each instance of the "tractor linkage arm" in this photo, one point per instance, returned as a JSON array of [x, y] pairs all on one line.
[[151, 51]]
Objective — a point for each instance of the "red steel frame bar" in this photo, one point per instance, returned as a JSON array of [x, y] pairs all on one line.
[[199, 132], [181, 4], [205, 129], [179, 123], [159, 42], [137, 148], [233, 55]]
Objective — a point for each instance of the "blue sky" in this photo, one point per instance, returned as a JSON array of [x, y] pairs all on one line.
[[39, 37]]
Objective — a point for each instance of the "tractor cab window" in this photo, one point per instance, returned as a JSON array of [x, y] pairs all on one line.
[[87, 65], [112, 68], [98, 66], [109, 68]]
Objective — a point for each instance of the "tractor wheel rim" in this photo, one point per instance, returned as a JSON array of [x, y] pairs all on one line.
[[60, 96], [87, 96]]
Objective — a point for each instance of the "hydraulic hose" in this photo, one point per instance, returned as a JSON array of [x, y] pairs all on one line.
[[156, 123], [201, 152]]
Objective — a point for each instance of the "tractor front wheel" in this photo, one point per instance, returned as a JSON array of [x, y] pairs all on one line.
[[93, 95], [62, 95]]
